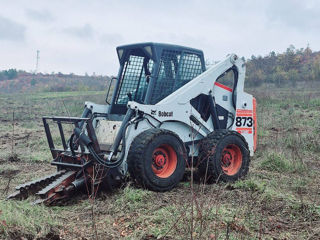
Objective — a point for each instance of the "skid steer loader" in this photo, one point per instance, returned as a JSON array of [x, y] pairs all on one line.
[[166, 109]]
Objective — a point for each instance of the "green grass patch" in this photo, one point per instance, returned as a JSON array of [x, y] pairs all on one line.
[[307, 141], [39, 157], [48, 95], [307, 211], [253, 185], [311, 142], [279, 163], [300, 184], [314, 102], [133, 198], [26, 218]]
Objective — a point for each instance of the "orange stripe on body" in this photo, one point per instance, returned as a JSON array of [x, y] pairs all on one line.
[[223, 86], [247, 111], [255, 124], [244, 115], [243, 129]]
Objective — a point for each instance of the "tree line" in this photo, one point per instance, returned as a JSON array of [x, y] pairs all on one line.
[[284, 69], [8, 74], [281, 69]]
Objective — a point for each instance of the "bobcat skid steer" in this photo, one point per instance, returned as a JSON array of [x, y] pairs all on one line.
[[166, 109]]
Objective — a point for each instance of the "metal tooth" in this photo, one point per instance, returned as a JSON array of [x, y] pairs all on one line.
[[34, 182], [39, 201], [55, 183], [45, 185], [30, 187], [14, 195]]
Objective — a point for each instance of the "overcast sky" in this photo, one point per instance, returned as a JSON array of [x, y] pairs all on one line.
[[78, 36]]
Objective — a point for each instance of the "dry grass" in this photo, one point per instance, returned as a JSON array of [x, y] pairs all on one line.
[[279, 199]]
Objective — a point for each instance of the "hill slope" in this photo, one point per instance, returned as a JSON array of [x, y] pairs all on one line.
[[13, 81], [292, 67]]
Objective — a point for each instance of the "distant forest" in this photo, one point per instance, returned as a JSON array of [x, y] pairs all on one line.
[[8, 74], [279, 69], [13, 81], [284, 69]]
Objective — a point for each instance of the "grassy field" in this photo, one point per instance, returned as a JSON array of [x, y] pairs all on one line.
[[279, 199]]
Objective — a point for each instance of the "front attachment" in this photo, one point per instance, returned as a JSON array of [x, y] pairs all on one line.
[[77, 168]]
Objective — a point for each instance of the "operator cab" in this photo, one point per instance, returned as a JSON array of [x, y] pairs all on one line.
[[149, 72]]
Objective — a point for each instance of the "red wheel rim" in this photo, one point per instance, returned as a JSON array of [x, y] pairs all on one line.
[[164, 161], [231, 159]]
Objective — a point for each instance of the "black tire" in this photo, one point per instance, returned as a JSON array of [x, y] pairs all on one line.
[[151, 159], [223, 156]]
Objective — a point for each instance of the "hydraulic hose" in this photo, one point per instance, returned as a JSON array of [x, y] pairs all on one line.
[[102, 161], [87, 113], [86, 141]]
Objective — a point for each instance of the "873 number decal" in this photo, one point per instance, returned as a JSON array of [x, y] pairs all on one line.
[[244, 121]]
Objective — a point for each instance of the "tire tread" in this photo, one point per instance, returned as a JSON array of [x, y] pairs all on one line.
[[136, 166], [212, 140]]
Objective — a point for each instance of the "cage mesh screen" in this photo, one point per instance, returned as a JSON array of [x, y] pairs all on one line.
[[175, 70], [133, 80], [142, 87]]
